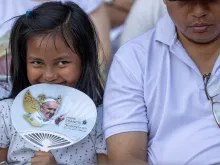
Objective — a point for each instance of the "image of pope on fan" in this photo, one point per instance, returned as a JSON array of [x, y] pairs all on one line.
[[42, 111]]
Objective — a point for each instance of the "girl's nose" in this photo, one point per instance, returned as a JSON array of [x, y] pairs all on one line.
[[50, 75]]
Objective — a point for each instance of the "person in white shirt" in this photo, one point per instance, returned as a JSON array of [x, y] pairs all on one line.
[[162, 99]]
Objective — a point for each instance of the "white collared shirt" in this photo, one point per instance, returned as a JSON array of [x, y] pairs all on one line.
[[155, 87]]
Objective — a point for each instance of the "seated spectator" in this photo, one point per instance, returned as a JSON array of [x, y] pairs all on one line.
[[50, 48], [162, 98]]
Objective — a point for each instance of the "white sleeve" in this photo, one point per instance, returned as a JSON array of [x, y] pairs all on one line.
[[124, 105]]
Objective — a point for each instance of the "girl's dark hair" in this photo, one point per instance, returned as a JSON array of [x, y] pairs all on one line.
[[78, 33]]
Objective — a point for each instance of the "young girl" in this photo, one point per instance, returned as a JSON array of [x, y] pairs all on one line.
[[55, 43]]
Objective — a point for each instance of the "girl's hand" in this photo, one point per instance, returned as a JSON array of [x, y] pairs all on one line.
[[43, 158], [3, 154]]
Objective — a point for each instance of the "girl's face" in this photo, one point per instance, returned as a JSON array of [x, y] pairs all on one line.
[[50, 61]]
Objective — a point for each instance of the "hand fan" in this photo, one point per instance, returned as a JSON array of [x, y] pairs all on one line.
[[53, 116]]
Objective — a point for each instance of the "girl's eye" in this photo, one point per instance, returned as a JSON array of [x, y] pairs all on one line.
[[36, 63], [61, 63]]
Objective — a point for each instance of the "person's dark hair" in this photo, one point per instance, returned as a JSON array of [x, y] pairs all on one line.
[[78, 32]]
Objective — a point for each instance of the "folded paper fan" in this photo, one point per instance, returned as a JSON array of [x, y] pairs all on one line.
[[53, 116]]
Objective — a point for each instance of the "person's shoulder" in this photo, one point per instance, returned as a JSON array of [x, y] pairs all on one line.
[[141, 40], [5, 106], [137, 50], [140, 44]]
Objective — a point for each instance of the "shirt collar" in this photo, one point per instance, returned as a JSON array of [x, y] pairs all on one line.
[[166, 31]]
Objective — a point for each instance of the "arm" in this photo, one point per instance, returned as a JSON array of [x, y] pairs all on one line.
[[128, 148], [116, 16], [3, 154], [124, 5], [101, 22], [102, 159], [118, 11], [125, 119]]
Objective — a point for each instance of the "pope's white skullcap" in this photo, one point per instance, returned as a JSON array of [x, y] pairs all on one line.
[[49, 100]]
